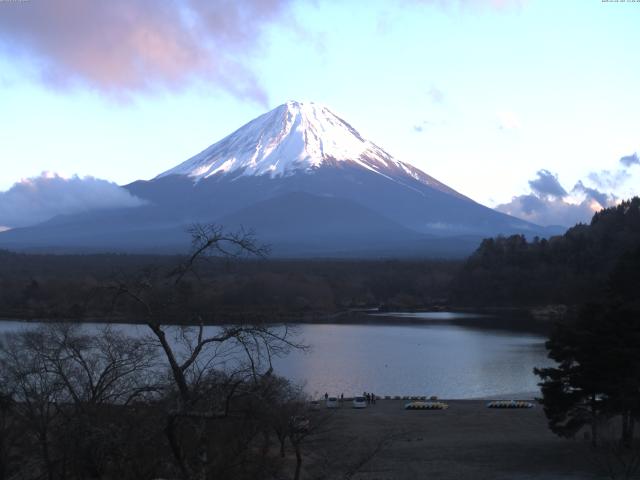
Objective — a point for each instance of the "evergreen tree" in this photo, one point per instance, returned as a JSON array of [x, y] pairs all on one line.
[[598, 357], [573, 392]]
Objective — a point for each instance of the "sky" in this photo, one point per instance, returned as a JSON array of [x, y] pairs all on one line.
[[528, 106]]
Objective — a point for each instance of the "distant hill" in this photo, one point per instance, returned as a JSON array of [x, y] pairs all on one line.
[[570, 269]]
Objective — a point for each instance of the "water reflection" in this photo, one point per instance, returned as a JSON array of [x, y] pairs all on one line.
[[449, 361], [431, 315], [443, 359]]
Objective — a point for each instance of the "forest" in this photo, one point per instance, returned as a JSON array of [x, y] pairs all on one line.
[[568, 269], [77, 287]]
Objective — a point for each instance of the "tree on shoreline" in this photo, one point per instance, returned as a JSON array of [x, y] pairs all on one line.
[[598, 372], [194, 353], [66, 384], [186, 402]]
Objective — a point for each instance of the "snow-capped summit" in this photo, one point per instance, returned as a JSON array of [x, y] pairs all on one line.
[[295, 137]]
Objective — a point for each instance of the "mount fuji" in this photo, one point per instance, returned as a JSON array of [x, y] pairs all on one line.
[[305, 181]]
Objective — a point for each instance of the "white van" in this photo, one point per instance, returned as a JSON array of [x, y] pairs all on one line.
[[359, 402]]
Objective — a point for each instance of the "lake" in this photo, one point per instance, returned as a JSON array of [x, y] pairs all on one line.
[[437, 356]]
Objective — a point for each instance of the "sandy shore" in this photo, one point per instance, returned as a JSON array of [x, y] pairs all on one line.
[[468, 440]]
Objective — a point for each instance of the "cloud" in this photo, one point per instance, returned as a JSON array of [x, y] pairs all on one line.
[[609, 179], [602, 198], [550, 204], [37, 199], [436, 95], [508, 120], [630, 160], [547, 185], [422, 126], [120, 47], [547, 211]]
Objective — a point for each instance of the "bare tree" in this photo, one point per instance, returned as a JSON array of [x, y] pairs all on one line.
[[36, 391], [65, 382], [103, 367], [96, 403], [9, 432], [243, 351], [303, 426]]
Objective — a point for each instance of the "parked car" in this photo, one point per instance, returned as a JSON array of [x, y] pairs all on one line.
[[332, 402], [359, 402], [315, 405]]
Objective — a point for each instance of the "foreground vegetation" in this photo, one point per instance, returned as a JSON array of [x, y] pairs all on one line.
[[178, 402], [101, 405]]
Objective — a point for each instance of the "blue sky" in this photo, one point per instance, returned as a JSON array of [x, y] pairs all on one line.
[[483, 95]]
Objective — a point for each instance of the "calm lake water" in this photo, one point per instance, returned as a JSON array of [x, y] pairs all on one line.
[[432, 357]]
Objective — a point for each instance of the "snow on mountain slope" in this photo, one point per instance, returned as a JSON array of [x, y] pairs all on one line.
[[296, 137]]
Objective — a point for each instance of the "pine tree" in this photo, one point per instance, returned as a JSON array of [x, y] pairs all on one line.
[[597, 376]]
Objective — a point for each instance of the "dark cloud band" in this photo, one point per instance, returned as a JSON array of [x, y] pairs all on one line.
[[547, 184]]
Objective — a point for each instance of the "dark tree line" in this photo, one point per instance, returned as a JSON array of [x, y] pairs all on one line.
[[68, 286], [569, 269]]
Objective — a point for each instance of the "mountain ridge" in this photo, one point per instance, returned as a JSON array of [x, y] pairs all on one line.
[[308, 179], [293, 137]]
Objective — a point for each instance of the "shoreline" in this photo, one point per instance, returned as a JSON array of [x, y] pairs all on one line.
[[523, 397], [522, 320]]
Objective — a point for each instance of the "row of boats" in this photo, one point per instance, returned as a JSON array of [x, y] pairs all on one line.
[[424, 405]]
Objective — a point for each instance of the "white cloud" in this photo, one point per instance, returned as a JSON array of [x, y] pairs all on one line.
[[436, 95], [508, 120], [550, 204], [550, 211], [34, 200]]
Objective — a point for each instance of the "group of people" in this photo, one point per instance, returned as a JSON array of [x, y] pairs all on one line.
[[370, 398]]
